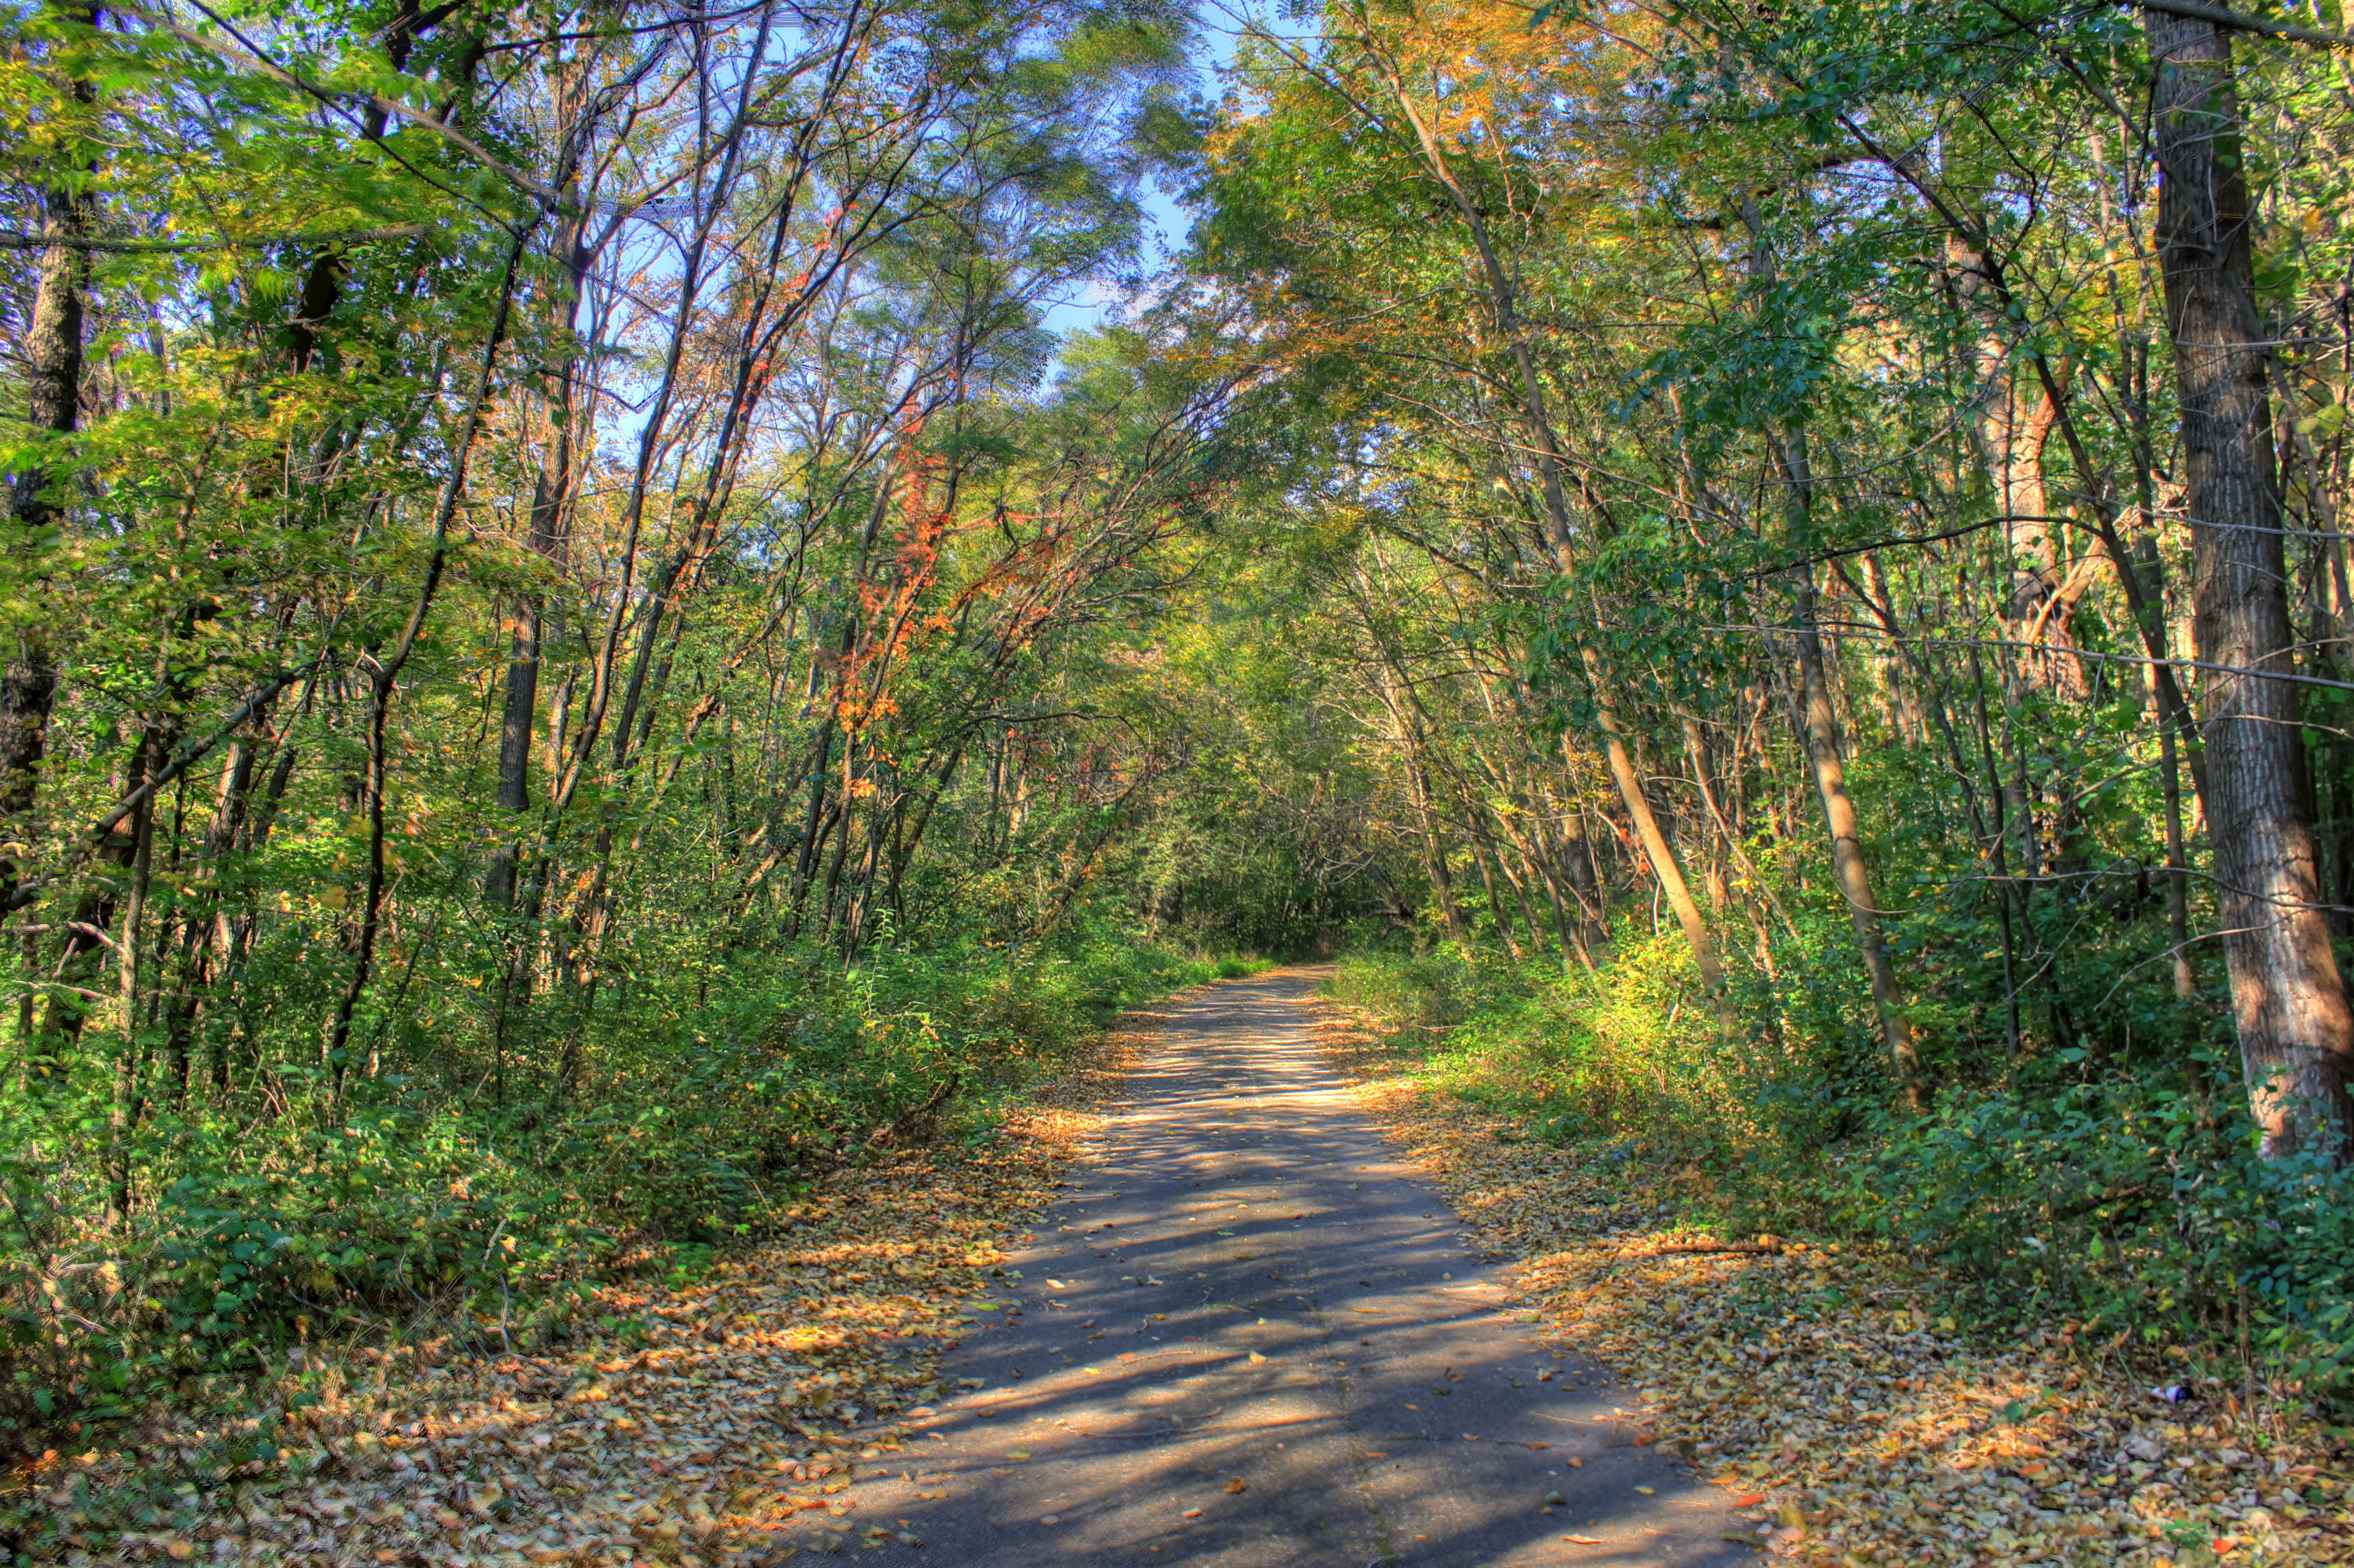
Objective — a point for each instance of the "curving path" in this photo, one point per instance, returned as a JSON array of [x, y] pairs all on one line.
[[1248, 1337]]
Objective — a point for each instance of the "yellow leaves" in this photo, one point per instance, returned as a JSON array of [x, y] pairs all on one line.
[[1827, 1388], [670, 1442]]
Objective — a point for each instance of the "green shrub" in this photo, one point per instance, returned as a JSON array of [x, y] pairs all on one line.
[[297, 1207], [2127, 1199]]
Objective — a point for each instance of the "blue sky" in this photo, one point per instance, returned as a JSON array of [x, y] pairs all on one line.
[[1165, 222]]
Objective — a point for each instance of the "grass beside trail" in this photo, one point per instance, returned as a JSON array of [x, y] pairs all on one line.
[[1837, 1390], [717, 1415]]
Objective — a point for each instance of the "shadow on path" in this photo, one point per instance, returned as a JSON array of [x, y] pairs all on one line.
[[1245, 1285]]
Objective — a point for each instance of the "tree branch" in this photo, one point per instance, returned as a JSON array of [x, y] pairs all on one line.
[[2242, 24]]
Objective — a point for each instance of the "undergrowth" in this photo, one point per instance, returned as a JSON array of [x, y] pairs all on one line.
[[2122, 1200], [232, 1228]]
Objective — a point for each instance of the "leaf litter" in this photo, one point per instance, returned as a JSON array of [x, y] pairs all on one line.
[[1832, 1391], [723, 1419]]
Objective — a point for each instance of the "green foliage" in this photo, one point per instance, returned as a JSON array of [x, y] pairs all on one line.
[[574, 662], [568, 672], [2130, 1201], [2135, 1205], [353, 1214]]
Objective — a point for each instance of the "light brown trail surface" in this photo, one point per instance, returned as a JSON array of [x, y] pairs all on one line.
[[1248, 1336]]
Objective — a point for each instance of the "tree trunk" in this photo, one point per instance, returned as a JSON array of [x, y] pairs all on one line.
[[2296, 1033], [1584, 884], [1818, 725], [551, 513], [123, 1112], [1495, 904], [1822, 737], [385, 677], [1655, 848], [53, 366], [2177, 869], [1442, 885]]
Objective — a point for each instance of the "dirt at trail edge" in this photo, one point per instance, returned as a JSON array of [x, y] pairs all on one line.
[[1832, 1395]]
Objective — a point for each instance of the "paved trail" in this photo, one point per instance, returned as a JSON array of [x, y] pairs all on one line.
[[1246, 1286]]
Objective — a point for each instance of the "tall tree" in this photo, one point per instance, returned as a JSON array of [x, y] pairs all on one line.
[[2295, 1030]]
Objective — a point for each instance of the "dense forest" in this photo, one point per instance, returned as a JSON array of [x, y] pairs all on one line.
[[581, 648]]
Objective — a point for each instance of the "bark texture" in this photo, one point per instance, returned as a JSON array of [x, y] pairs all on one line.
[[53, 367], [2297, 1035], [1848, 867]]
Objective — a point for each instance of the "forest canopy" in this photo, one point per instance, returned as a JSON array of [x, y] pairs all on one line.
[[580, 646]]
